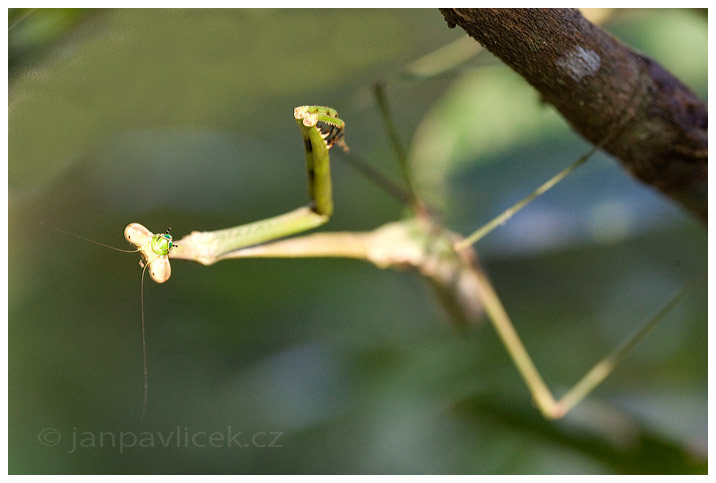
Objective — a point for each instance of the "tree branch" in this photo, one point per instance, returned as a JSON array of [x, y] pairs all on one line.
[[591, 79]]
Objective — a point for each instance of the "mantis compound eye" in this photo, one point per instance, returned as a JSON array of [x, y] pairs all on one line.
[[161, 244]]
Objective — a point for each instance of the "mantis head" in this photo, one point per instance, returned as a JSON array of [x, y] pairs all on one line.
[[154, 250]]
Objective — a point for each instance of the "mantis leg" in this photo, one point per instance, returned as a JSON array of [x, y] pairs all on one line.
[[320, 128], [549, 406]]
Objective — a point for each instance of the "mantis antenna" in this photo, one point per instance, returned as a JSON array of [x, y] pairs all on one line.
[[149, 245], [154, 250]]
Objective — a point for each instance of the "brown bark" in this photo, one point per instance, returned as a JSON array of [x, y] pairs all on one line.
[[599, 85]]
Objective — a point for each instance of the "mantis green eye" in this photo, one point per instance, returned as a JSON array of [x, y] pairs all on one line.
[[161, 244]]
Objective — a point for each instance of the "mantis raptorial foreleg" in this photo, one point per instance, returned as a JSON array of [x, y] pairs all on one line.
[[320, 128]]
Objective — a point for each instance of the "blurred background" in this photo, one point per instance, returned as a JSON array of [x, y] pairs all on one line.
[[183, 119]]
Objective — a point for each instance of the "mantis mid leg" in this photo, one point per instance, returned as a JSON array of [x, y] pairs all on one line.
[[543, 398]]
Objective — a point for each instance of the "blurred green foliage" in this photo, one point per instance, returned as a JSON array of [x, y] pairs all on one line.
[[182, 118], [32, 32]]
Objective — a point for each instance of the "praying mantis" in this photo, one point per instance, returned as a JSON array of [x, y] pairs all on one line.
[[204, 323], [419, 242]]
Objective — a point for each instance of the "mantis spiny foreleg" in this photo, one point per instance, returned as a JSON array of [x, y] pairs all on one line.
[[320, 128]]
